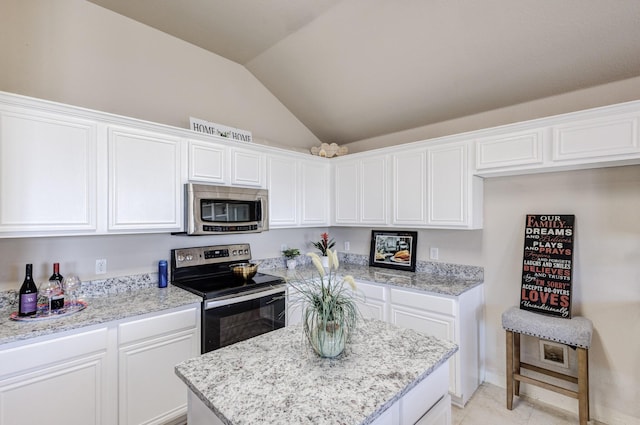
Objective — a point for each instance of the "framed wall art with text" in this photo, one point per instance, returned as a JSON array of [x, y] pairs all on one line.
[[547, 264]]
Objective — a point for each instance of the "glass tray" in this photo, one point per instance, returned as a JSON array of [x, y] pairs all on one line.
[[42, 312]]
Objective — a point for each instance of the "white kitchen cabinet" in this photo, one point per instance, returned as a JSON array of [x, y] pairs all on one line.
[[145, 181], [372, 301], [149, 392], [517, 149], [207, 162], [456, 319], [596, 139], [283, 191], [298, 191], [361, 195], [247, 167], [65, 379], [410, 188], [48, 173], [315, 192], [345, 189], [454, 194], [120, 372]]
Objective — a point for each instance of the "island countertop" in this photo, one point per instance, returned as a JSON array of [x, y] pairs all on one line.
[[275, 378]]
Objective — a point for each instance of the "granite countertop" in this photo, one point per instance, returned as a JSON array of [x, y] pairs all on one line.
[[380, 364], [450, 284], [109, 300]]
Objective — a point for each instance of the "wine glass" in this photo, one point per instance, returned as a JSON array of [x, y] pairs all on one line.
[[71, 284], [49, 288]]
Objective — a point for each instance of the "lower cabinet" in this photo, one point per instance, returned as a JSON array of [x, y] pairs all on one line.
[[149, 392], [120, 373], [67, 380], [457, 319]]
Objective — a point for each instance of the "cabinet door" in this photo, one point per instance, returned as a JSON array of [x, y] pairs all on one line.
[[409, 188], [149, 391], [66, 380], [447, 177], [596, 138], [374, 192], [145, 184], [315, 193], [283, 191], [47, 173], [247, 168], [371, 301], [207, 162], [510, 150], [346, 183]]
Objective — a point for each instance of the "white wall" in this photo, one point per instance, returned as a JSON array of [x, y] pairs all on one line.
[[606, 275], [76, 52]]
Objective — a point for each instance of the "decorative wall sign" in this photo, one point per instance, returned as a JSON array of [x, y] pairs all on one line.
[[547, 264], [206, 127], [394, 250]]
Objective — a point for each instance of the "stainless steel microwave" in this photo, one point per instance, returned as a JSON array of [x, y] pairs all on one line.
[[214, 210]]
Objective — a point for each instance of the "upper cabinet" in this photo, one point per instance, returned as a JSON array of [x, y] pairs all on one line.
[[599, 137], [208, 162], [360, 190], [145, 181], [298, 191], [48, 173], [433, 187], [69, 171]]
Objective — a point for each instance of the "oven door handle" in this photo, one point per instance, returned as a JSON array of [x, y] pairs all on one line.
[[252, 296]]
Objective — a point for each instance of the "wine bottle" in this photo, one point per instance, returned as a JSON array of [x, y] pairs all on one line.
[[57, 300], [28, 303], [56, 273]]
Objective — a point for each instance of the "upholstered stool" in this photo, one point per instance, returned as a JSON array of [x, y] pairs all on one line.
[[575, 332]]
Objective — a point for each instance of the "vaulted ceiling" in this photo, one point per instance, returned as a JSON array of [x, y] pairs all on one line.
[[355, 69]]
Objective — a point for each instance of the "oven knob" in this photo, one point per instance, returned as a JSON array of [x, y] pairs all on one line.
[[189, 257], [246, 251], [180, 258], [234, 252]]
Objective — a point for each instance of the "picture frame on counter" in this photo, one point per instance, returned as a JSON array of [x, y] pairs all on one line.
[[393, 249]]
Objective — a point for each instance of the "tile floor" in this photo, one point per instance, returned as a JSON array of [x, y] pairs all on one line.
[[488, 407]]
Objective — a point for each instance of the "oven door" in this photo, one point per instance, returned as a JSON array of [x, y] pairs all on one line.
[[230, 320]]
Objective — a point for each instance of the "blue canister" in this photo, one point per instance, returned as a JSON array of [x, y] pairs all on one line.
[[162, 274]]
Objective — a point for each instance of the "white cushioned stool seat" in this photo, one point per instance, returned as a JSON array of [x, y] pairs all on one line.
[[575, 332]]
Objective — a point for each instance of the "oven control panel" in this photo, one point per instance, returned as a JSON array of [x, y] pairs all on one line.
[[203, 255]]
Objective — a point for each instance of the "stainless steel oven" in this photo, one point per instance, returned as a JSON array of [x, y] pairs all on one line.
[[233, 309]]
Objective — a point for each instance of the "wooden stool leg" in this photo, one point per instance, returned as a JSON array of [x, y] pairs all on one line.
[[509, 370], [583, 385], [516, 362]]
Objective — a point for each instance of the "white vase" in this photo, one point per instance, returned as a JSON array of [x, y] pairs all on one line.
[[325, 261], [292, 263]]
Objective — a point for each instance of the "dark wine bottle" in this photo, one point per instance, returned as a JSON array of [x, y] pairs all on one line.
[[57, 300], [28, 303], [56, 273]]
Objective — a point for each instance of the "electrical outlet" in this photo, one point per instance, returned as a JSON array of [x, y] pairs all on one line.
[[347, 246], [101, 266], [433, 253]]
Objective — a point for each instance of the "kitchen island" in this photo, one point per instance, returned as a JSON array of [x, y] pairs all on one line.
[[385, 375]]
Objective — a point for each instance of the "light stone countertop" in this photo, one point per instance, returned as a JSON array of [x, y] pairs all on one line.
[[275, 378], [109, 300], [437, 283]]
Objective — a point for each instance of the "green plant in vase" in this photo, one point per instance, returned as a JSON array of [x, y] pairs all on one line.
[[291, 254], [330, 311]]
